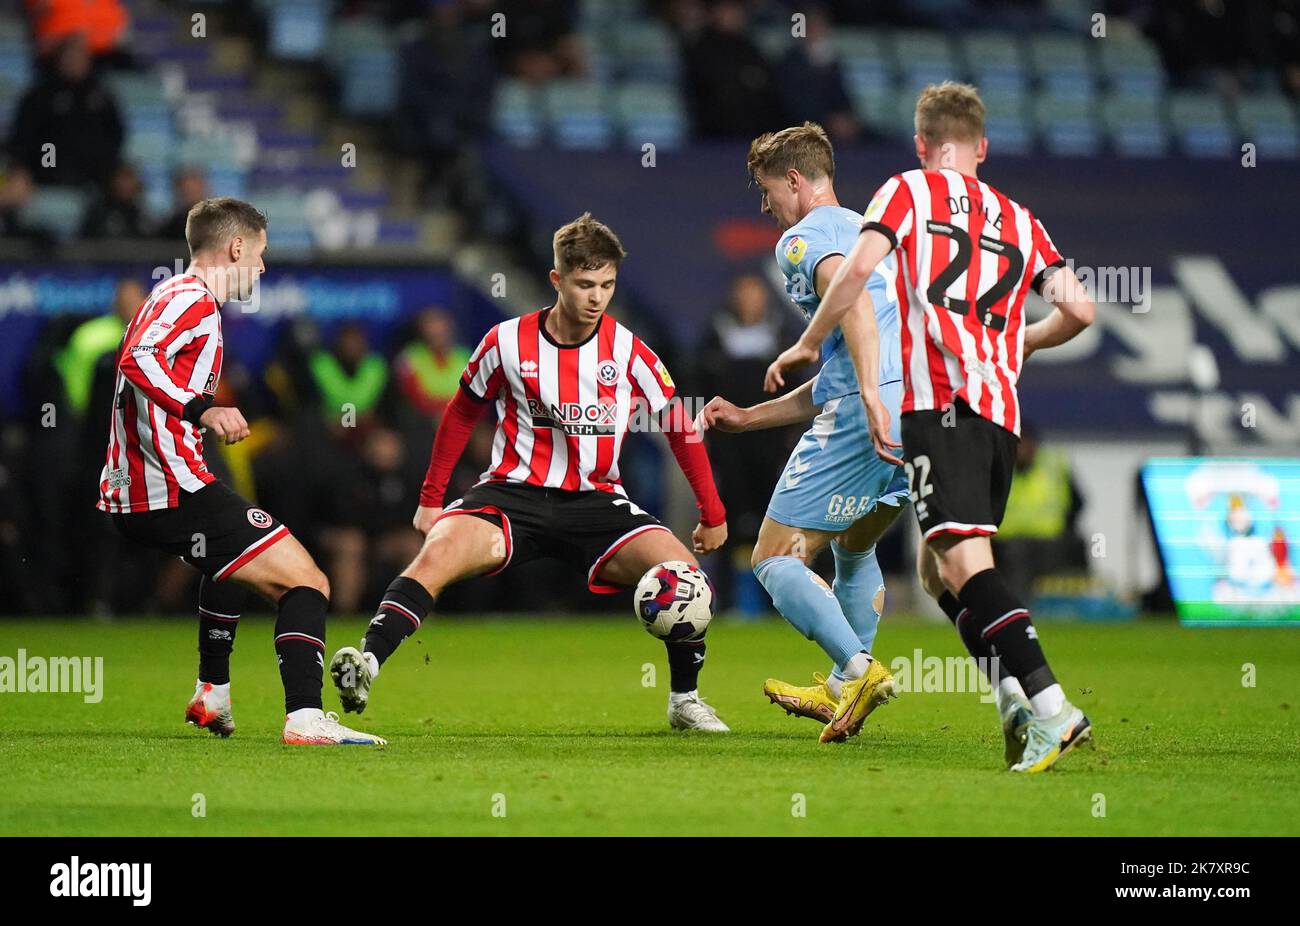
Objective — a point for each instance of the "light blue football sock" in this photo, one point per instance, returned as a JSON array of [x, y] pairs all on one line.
[[860, 588], [804, 600]]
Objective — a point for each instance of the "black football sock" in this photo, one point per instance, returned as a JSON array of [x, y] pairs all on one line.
[[684, 663], [220, 604], [950, 605], [300, 646], [959, 614], [999, 621], [404, 607]]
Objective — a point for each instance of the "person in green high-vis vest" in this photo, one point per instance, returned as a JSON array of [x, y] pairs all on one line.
[[428, 369], [1038, 534], [350, 379], [93, 339]]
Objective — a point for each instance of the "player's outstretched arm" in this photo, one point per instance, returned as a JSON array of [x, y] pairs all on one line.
[[454, 430], [795, 407], [1072, 311], [688, 450]]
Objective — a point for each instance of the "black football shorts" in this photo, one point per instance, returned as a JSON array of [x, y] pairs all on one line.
[[959, 475], [215, 530], [582, 528]]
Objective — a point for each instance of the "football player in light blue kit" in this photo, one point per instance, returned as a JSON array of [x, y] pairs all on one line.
[[835, 489]]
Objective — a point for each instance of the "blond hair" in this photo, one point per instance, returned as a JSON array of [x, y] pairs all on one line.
[[805, 148], [950, 112], [585, 244]]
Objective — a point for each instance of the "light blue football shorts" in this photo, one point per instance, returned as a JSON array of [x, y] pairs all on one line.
[[834, 477]]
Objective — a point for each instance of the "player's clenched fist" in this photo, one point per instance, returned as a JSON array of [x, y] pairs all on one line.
[[227, 423], [707, 539], [723, 415], [424, 518]]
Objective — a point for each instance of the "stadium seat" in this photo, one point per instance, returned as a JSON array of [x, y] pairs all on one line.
[[1200, 121], [58, 210], [577, 114], [925, 58], [16, 70], [1135, 125], [875, 106], [646, 51], [867, 63], [515, 114], [605, 15], [1007, 125], [1130, 63], [865, 44], [154, 148], [228, 180], [285, 213], [157, 181], [995, 62], [1067, 124], [1062, 64], [297, 29], [654, 113], [362, 54], [131, 89], [1269, 122], [866, 60]]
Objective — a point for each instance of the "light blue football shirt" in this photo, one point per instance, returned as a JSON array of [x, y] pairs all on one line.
[[823, 232]]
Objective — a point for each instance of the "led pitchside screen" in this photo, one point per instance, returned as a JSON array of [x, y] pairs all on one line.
[[1227, 530]]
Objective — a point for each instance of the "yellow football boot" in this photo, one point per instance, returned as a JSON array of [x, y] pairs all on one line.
[[859, 698], [815, 701]]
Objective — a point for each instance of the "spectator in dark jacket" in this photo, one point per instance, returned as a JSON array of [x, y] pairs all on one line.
[[731, 86], [67, 129], [811, 84]]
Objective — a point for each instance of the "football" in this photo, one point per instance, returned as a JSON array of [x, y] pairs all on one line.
[[674, 601]]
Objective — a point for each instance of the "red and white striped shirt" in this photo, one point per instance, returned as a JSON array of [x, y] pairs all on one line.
[[563, 409], [169, 356], [967, 257]]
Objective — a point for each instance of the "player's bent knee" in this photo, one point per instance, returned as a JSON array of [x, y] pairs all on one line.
[[319, 581]]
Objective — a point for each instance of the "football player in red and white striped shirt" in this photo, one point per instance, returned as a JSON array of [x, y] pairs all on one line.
[[159, 491], [566, 383], [967, 257]]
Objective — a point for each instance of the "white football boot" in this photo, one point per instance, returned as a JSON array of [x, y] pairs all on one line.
[[209, 709], [688, 712], [311, 726]]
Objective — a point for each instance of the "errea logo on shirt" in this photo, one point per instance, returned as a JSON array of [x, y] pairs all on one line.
[[528, 369]]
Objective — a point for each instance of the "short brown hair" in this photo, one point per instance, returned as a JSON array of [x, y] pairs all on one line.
[[585, 244], [949, 112], [213, 222], [806, 148]]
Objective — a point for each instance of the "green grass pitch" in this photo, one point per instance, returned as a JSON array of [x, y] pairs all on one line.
[[552, 722]]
